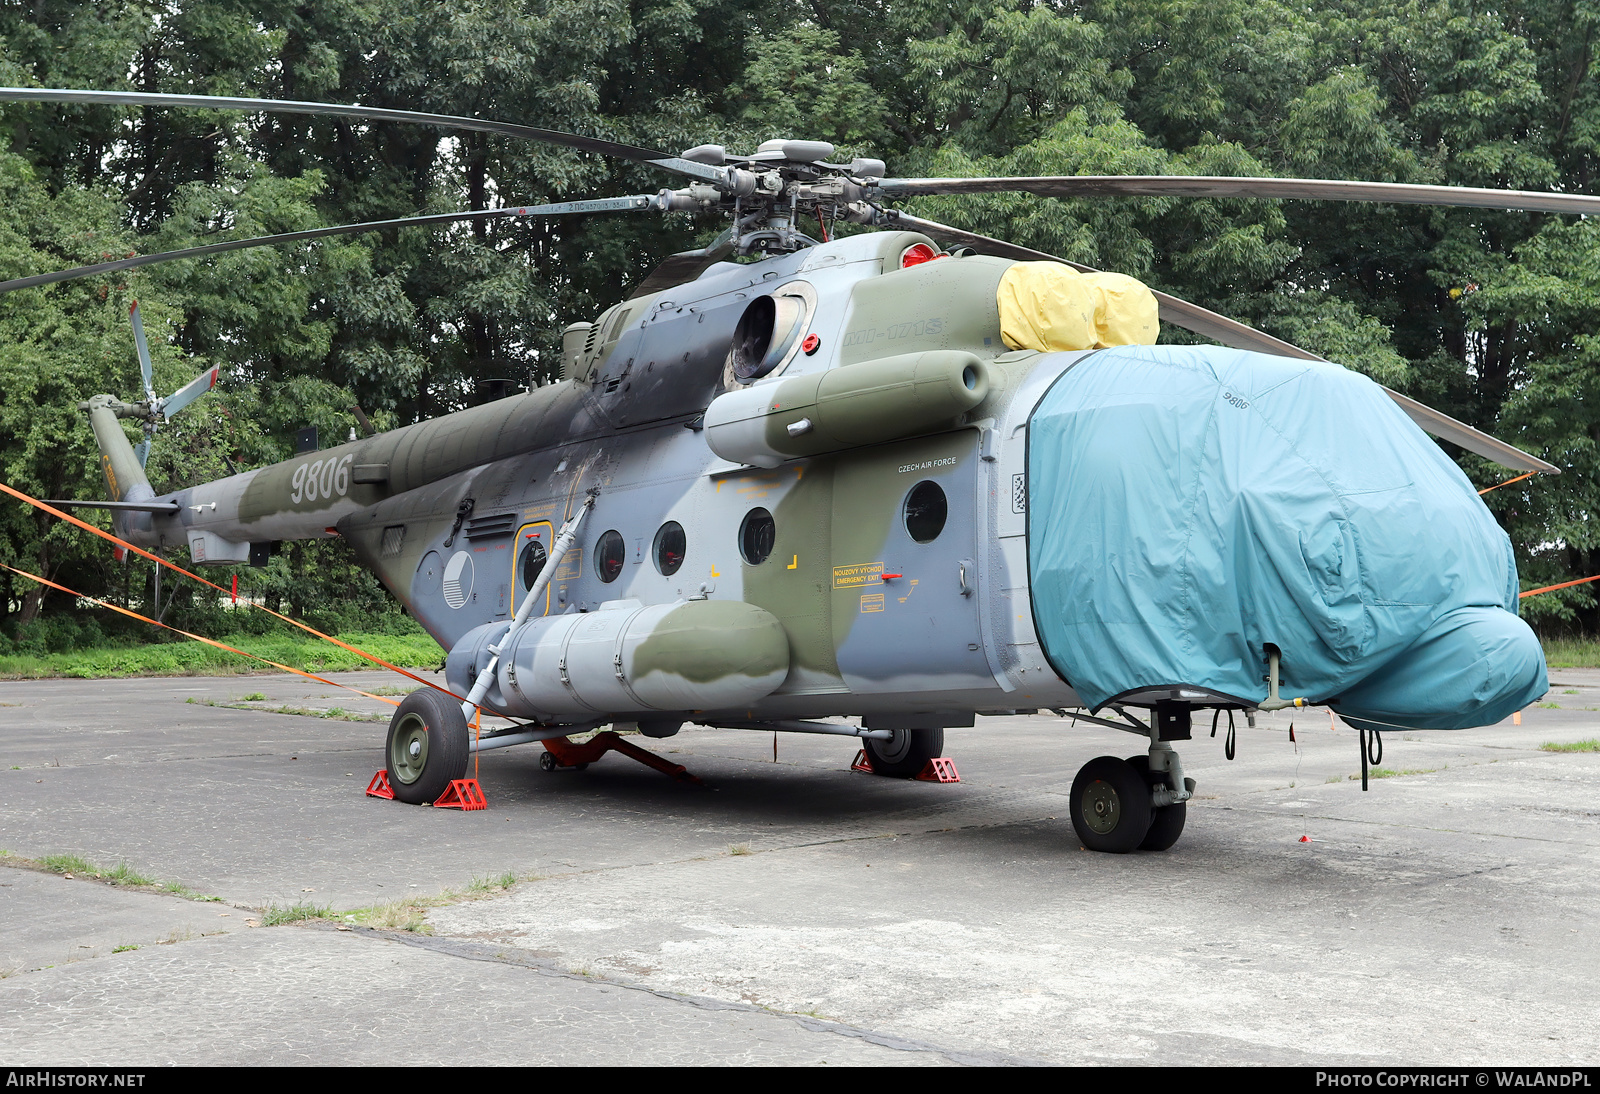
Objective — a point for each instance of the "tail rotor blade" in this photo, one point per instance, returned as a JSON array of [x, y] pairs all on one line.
[[189, 392], [143, 348]]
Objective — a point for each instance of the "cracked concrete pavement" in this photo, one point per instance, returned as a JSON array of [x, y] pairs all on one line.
[[792, 911]]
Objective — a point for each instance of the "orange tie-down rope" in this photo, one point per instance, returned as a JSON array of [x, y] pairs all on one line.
[[1508, 482], [198, 638], [103, 534], [1563, 585]]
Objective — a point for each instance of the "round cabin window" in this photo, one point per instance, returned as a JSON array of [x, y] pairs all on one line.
[[609, 554], [756, 536], [669, 548], [531, 564], [925, 511]]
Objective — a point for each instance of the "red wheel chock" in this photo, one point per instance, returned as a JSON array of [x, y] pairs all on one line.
[[568, 754], [861, 763], [379, 786], [940, 769], [464, 794]]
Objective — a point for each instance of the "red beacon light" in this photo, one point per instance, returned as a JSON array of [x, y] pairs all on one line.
[[917, 254]]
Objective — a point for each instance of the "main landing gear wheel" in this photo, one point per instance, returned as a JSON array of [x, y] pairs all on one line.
[[905, 753], [1166, 821], [427, 746], [1110, 805]]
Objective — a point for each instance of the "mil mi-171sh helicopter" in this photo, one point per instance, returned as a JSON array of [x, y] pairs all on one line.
[[868, 477]]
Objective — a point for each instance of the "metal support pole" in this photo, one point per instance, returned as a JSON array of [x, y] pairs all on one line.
[[564, 540]]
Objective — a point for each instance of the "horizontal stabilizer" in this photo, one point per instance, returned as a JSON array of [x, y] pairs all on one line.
[[135, 506]]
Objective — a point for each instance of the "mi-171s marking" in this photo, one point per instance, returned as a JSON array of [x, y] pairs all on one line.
[[872, 478]]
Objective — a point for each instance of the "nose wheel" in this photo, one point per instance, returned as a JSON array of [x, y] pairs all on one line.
[[1113, 808], [1110, 805], [1166, 821]]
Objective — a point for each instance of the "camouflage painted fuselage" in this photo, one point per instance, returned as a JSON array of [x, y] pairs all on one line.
[[875, 622]]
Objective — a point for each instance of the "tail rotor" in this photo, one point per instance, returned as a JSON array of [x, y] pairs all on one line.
[[159, 409]]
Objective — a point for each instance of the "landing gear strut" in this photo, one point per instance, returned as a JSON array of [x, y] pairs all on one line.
[[1138, 803]]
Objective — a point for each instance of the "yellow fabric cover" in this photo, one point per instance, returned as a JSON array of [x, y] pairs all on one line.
[[1046, 306], [1049, 306], [1125, 311]]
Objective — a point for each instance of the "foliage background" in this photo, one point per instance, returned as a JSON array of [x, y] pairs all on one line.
[[1492, 317]]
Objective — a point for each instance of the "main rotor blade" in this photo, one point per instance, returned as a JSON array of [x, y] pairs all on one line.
[[635, 202], [1230, 332], [1221, 186], [371, 113]]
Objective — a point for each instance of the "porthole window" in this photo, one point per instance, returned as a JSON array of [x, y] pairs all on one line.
[[756, 536], [669, 547], [609, 554], [531, 564], [925, 511]]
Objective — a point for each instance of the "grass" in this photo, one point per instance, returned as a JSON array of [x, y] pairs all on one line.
[[738, 848], [79, 868], [410, 913], [66, 864], [1549, 706], [397, 915], [1571, 653], [274, 914], [198, 659], [253, 697], [1390, 773], [493, 884], [1591, 745], [122, 875], [338, 713], [123, 949]]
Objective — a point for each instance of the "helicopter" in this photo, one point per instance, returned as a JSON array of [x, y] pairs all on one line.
[[911, 476]]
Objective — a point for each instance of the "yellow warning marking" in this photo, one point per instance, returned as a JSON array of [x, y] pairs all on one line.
[[714, 572], [795, 565], [872, 602], [544, 532], [909, 591], [860, 573]]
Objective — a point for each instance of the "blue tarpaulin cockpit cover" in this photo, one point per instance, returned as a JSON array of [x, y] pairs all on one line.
[[1189, 505]]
